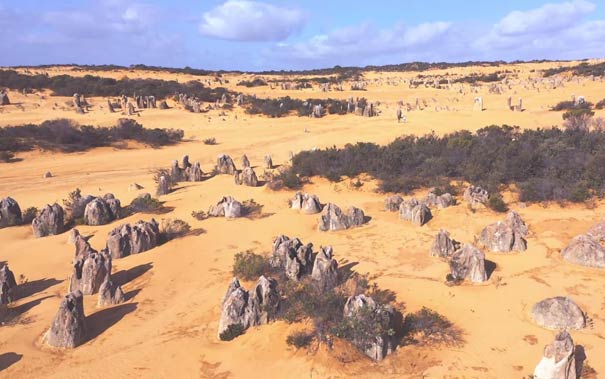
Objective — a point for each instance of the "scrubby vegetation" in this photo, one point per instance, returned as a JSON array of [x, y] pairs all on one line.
[[68, 136], [232, 332], [300, 339], [486, 78], [582, 69], [209, 141], [544, 164], [284, 106], [89, 85], [257, 82], [146, 204], [173, 228], [249, 266], [28, 215]]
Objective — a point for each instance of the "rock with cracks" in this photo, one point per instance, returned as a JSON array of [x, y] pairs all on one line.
[[90, 270], [325, 269], [225, 165], [505, 236], [468, 263], [444, 246], [10, 212], [110, 294], [49, 222], [227, 207], [475, 196], [309, 204], [558, 313], [246, 177], [584, 250], [558, 360], [130, 239], [333, 218], [68, 329]]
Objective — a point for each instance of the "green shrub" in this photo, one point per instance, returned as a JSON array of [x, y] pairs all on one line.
[[300, 339], [427, 327], [145, 204], [233, 331], [496, 203], [173, 228], [210, 141], [249, 266]]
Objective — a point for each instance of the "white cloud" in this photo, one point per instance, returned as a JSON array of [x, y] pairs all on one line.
[[242, 20]]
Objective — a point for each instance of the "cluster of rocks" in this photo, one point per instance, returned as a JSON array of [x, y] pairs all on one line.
[[309, 204], [102, 210], [558, 360], [145, 102], [7, 283], [245, 309], [192, 104], [246, 177], [130, 239], [475, 196], [505, 236], [187, 173], [225, 165], [49, 221], [10, 212], [466, 261], [587, 249], [414, 211], [226, 207], [333, 218]]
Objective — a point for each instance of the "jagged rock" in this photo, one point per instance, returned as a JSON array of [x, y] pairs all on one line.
[[558, 313], [291, 254], [475, 196], [246, 177], [249, 309], [186, 163], [90, 271], [68, 329], [227, 207], [308, 203], [332, 218], [468, 263], [100, 211], [406, 209], [194, 173], [558, 361], [444, 246], [364, 310], [245, 161], [225, 165], [110, 294], [392, 203], [7, 283], [325, 269], [126, 239], [110, 106], [83, 248], [10, 212], [79, 206], [268, 162], [49, 221], [505, 236], [421, 214], [73, 236], [163, 186], [440, 201], [175, 171]]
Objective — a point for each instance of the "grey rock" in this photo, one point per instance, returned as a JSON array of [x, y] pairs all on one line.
[[421, 214], [227, 207], [444, 246], [475, 196], [558, 361], [325, 269], [10, 212], [406, 209], [101, 211], [7, 283], [268, 162], [133, 239], [49, 221], [194, 173], [439, 201], [392, 203], [505, 236], [68, 329], [110, 294], [245, 161], [585, 251], [309, 204], [246, 177], [90, 270], [468, 263], [163, 187], [225, 165], [558, 313]]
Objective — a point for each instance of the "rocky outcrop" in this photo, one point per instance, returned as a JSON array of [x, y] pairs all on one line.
[[268, 162], [468, 263], [585, 250], [110, 294], [194, 173], [10, 212], [7, 283], [325, 269], [363, 310], [558, 313], [225, 165], [76, 211], [240, 307], [392, 203], [49, 222], [332, 218], [418, 213], [72, 236], [68, 329], [439, 201], [90, 270], [102, 210], [293, 256], [444, 246], [4, 100], [309, 204], [163, 187], [505, 236], [227, 207], [558, 361], [475, 196], [163, 105], [246, 177], [245, 161], [133, 239]]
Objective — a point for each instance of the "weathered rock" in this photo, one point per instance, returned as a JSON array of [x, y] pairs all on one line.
[[110, 294], [7, 283], [163, 105], [505, 236], [245, 161], [558, 361], [249, 309], [98, 212], [364, 310], [308, 203], [421, 214], [292, 255], [558, 313], [325, 269], [68, 329], [227, 207], [90, 271], [4, 100], [444, 246], [79, 206], [72, 236], [475, 196], [10, 212], [225, 165], [440, 201], [48, 174], [83, 248], [268, 162], [176, 174], [194, 173], [49, 221], [356, 217], [163, 186], [406, 209], [110, 106], [332, 218], [126, 239], [468, 263], [186, 163], [246, 177], [392, 203]]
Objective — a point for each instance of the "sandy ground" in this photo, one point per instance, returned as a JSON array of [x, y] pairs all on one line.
[[167, 327]]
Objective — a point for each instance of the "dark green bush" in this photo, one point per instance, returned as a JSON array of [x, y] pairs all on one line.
[[496, 203], [427, 327], [233, 331], [249, 266], [300, 339], [145, 204], [257, 82]]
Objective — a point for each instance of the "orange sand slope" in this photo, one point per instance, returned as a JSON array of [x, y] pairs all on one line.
[[167, 327]]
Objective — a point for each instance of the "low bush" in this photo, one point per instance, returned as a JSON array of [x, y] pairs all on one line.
[[496, 203], [232, 331], [145, 204], [249, 266], [300, 339], [173, 228], [257, 82], [209, 141]]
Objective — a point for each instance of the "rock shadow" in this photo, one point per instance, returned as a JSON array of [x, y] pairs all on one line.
[[9, 359], [104, 319]]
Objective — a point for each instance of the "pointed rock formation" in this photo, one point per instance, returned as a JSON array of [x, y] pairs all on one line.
[[90, 270], [68, 329], [246, 177], [308, 203], [49, 221], [7, 283], [102, 210], [325, 269], [444, 246], [110, 294], [245, 161], [225, 165], [392, 203], [475, 196], [10, 212], [268, 162], [468, 263], [505, 236], [332, 218]]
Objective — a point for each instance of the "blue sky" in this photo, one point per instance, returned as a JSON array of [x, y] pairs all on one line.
[[263, 35]]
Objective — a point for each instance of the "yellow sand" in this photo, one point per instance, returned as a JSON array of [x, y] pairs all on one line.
[[167, 328]]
